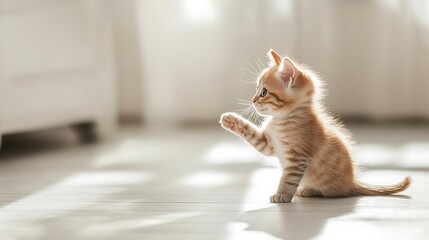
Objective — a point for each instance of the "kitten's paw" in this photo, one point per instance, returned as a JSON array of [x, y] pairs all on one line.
[[229, 121], [281, 198]]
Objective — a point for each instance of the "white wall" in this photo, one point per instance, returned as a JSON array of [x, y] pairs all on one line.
[[373, 54]]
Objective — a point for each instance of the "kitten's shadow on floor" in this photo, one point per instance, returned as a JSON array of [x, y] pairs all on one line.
[[302, 219]]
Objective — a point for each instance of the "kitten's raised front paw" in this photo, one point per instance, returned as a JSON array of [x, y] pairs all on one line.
[[229, 121], [281, 198]]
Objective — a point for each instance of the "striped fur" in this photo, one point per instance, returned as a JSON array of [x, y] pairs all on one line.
[[313, 148]]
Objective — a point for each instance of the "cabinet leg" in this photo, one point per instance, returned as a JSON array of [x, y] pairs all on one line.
[[86, 132]]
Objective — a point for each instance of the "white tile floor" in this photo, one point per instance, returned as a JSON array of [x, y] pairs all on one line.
[[199, 184]]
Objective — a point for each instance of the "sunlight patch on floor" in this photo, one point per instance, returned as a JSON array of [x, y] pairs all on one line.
[[125, 152], [107, 178], [207, 179], [80, 180], [114, 227], [231, 153], [252, 235], [262, 184]]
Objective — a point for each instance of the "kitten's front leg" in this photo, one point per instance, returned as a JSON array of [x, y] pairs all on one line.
[[247, 131], [290, 180]]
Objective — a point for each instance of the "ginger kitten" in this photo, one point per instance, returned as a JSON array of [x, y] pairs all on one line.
[[313, 149]]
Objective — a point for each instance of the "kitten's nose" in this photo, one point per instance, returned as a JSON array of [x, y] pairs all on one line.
[[255, 98]]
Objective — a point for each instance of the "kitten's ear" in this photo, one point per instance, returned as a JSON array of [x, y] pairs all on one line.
[[274, 57], [288, 72]]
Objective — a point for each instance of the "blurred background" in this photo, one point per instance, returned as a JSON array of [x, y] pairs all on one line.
[[150, 79], [169, 63]]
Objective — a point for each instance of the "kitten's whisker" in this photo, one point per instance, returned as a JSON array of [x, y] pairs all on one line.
[[239, 99], [248, 76], [263, 64], [254, 69], [244, 104], [259, 67], [243, 113], [247, 82], [246, 111], [251, 76], [249, 79], [254, 74], [256, 117], [252, 114]]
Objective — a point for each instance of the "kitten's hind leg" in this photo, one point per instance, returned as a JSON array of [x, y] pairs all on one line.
[[309, 192], [337, 190]]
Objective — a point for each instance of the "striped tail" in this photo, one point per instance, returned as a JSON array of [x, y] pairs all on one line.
[[362, 189]]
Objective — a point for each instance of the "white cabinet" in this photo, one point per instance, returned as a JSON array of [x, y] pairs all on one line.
[[55, 65]]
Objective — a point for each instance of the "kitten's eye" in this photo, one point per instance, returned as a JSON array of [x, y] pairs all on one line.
[[263, 92]]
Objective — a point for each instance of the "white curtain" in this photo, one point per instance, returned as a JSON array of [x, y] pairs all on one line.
[[379, 58], [374, 55]]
